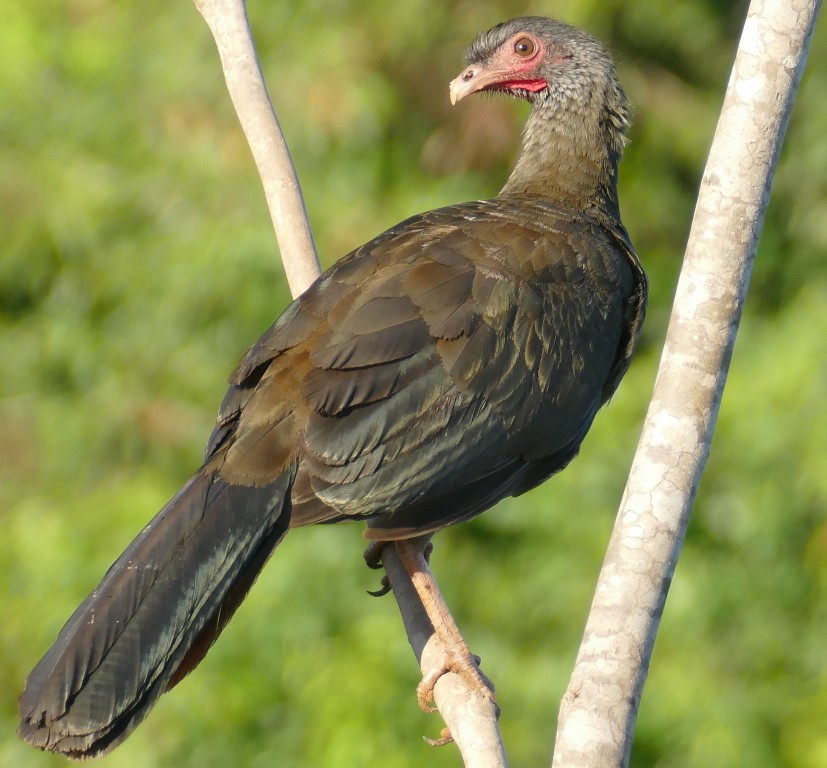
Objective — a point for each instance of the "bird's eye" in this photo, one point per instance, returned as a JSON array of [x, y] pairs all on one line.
[[524, 47]]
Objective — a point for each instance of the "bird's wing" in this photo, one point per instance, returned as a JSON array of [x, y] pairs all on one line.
[[411, 382]]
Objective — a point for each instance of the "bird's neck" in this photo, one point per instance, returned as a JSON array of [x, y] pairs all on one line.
[[569, 157]]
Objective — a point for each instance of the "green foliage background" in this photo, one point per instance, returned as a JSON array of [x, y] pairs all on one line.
[[138, 263]]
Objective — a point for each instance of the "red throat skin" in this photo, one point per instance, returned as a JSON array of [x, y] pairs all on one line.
[[535, 85]]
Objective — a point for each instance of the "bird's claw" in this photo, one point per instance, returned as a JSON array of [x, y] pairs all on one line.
[[384, 588], [444, 738], [373, 559], [373, 554], [464, 664]]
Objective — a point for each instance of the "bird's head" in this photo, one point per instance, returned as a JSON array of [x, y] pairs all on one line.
[[570, 80], [542, 61]]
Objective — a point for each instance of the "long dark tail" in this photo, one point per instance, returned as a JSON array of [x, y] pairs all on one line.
[[154, 616]]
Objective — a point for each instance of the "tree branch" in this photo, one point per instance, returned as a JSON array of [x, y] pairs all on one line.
[[227, 20], [598, 712], [470, 717]]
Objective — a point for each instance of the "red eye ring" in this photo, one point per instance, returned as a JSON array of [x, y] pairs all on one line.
[[524, 47]]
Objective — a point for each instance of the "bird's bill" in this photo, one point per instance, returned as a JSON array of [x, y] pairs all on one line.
[[476, 78], [473, 79]]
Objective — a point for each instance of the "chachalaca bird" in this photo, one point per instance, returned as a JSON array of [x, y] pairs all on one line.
[[458, 358]]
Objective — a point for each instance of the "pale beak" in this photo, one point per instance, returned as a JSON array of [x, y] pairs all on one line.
[[475, 78]]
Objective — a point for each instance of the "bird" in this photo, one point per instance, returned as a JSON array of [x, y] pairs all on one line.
[[458, 358]]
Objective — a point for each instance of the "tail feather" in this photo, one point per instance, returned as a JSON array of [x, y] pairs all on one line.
[[153, 616]]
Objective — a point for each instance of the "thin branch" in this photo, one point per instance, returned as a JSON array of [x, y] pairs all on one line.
[[469, 716], [598, 713], [227, 20]]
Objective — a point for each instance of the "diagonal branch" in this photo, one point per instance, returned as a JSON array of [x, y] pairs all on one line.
[[598, 712], [471, 719]]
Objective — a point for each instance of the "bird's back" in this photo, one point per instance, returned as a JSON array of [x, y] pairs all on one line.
[[457, 358]]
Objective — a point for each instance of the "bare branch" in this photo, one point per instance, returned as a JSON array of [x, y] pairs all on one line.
[[471, 718], [599, 710], [227, 20]]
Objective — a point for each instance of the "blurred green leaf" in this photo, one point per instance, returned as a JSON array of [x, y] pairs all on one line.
[[139, 264]]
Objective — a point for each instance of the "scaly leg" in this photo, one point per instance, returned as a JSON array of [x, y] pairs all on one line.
[[414, 554]]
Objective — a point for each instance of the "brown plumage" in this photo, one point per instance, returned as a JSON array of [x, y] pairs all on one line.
[[455, 359]]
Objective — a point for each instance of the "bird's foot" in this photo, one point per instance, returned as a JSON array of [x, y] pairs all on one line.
[[445, 737], [384, 588], [462, 662], [373, 559], [414, 555], [373, 553]]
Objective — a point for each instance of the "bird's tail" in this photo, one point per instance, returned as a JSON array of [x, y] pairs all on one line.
[[154, 615]]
